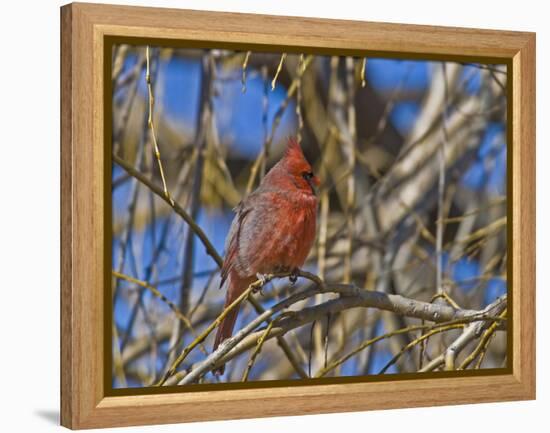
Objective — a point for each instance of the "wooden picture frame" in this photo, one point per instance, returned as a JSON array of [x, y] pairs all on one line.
[[84, 27]]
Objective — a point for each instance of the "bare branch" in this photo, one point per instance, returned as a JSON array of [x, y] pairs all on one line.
[[350, 297]]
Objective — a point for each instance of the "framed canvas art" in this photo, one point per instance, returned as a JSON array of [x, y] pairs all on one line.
[[274, 216]]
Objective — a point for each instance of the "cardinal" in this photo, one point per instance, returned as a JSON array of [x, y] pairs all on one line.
[[273, 230]]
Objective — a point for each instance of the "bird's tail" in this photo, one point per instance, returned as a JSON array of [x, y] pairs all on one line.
[[235, 287]]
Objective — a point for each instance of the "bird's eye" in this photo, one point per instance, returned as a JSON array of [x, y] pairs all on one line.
[[307, 175]]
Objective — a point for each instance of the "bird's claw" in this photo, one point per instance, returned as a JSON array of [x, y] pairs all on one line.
[[262, 278], [293, 277]]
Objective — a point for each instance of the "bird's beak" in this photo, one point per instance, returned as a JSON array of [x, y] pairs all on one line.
[[314, 183], [315, 180]]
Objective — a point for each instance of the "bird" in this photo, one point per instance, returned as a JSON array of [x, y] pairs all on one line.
[[272, 231]]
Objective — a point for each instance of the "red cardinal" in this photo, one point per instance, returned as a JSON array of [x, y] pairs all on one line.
[[273, 230]]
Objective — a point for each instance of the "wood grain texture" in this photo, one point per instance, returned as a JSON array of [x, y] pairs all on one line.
[[67, 385], [524, 216], [83, 401]]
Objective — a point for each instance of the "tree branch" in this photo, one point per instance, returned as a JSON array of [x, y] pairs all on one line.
[[210, 250], [350, 297]]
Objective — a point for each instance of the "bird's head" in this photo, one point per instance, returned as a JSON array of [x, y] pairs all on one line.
[[297, 167]]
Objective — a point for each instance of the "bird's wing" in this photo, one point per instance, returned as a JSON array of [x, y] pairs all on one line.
[[262, 228], [232, 240], [254, 223]]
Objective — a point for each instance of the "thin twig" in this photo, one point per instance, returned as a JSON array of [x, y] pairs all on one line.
[[350, 191], [299, 73], [367, 343], [263, 154], [415, 342], [256, 352], [482, 345], [245, 64], [440, 224], [363, 67], [279, 67], [152, 127], [158, 294], [210, 250], [470, 333]]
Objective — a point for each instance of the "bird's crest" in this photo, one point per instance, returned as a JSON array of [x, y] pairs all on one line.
[[293, 149]]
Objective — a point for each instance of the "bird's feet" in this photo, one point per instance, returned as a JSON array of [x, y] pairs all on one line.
[[293, 277], [262, 278]]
